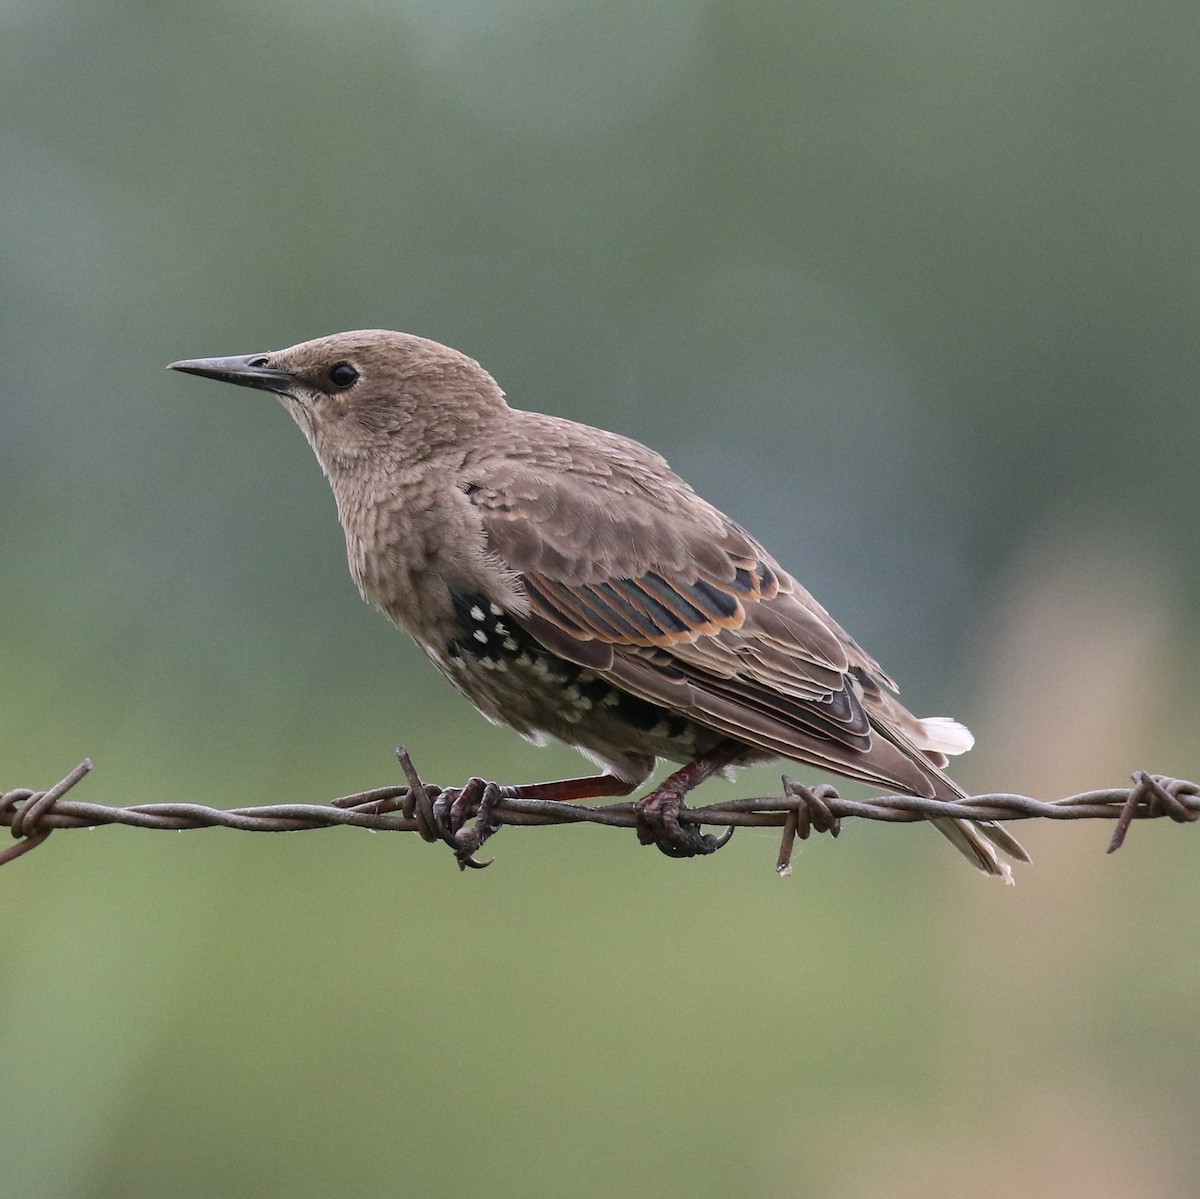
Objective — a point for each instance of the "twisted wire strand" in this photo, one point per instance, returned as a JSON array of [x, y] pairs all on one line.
[[421, 808]]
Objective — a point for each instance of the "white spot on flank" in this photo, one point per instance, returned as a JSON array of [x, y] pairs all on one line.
[[496, 610], [480, 635], [501, 629], [477, 614], [509, 643]]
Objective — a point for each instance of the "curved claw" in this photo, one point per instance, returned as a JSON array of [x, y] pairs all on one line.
[[474, 864], [720, 840], [686, 842]]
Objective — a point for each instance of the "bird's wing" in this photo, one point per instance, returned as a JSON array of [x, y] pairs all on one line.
[[673, 601]]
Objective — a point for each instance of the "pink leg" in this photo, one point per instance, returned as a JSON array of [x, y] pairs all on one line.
[[568, 790]]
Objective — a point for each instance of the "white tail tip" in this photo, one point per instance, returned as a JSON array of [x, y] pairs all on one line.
[[946, 736]]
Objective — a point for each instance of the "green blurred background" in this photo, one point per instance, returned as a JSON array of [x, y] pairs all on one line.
[[910, 289]]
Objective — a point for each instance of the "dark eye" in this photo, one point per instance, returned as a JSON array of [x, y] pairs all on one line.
[[343, 375]]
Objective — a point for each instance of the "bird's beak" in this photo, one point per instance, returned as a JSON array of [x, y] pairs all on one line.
[[250, 371]]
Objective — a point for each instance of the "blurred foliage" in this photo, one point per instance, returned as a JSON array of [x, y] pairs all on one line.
[[910, 289]]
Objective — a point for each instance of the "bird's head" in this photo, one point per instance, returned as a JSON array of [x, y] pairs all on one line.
[[368, 392]]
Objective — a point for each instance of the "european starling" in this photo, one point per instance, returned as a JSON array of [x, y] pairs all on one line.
[[571, 585]]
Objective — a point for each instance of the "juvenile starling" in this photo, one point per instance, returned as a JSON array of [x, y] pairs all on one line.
[[572, 586]]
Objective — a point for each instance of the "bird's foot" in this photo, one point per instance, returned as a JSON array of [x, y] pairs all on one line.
[[658, 824], [658, 813], [451, 810], [440, 813]]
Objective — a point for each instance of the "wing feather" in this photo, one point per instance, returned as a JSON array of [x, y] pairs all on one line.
[[671, 600]]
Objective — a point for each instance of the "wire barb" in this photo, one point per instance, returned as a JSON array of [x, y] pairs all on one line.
[[441, 814], [1155, 795], [27, 821]]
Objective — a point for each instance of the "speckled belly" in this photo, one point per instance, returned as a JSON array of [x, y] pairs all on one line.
[[514, 680]]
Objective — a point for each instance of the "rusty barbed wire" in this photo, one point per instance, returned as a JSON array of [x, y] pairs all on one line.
[[441, 814]]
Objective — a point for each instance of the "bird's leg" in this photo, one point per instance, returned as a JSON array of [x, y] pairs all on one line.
[[658, 812], [568, 790]]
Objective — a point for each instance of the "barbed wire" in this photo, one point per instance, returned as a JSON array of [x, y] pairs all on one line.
[[441, 814]]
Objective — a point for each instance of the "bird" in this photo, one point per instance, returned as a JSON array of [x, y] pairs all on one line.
[[572, 586]]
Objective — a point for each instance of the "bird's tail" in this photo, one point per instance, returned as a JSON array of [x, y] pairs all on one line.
[[978, 841]]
